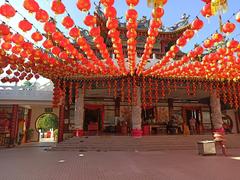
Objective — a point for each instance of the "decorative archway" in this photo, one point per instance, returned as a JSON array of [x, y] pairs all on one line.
[[47, 123]]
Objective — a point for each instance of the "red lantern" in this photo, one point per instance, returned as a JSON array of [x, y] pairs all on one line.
[[157, 12], [16, 49], [24, 54], [64, 42], [6, 46], [228, 27], [36, 36], [56, 50], [4, 30], [95, 31], [206, 1], [48, 44], [57, 36], [206, 11], [181, 42], [174, 49], [7, 10], [197, 24], [84, 5], [42, 16], [232, 44], [90, 20], [25, 25], [112, 23], [58, 7], [188, 34], [131, 14], [74, 32], [31, 5], [132, 2], [50, 27], [110, 12], [68, 22], [199, 50], [216, 37], [37, 76], [238, 17], [17, 39], [63, 55], [107, 3], [9, 71]]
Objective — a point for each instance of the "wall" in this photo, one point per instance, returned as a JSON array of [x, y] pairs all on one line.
[[38, 110], [231, 113]]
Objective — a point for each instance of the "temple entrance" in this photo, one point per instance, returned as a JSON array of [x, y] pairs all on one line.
[[93, 119], [193, 119], [47, 127]]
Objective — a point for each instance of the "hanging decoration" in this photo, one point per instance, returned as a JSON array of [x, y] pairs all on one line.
[[156, 3], [219, 6], [70, 86], [131, 17]]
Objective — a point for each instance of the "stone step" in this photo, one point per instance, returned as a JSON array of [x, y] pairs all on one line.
[[146, 143]]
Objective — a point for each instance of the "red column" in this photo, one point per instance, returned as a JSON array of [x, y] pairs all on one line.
[[61, 123], [13, 127]]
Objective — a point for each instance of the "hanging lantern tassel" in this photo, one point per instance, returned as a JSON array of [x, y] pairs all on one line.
[[219, 6], [156, 3], [64, 93], [122, 90], [150, 91], [129, 90], [134, 90], [163, 88], [224, 93], [109, 87], [156, 92], [144, 93], [115, 89], [70, 93], [76, 91]]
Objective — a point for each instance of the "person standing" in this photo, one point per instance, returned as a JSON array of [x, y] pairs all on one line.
[[192, 123]]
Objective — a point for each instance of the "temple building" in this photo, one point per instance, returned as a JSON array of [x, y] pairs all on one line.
[[124, 78]]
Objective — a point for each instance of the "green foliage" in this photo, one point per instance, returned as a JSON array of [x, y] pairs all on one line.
[[27, 84], [46, 122], [55, 133]]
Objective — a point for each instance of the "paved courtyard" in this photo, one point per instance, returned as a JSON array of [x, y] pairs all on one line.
[[34, 163]]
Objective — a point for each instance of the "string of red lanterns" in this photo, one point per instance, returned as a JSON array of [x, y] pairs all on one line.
[[155, 24], [131, 17], [112, 24]]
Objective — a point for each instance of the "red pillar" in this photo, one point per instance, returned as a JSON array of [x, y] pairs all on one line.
[[13, 127], [61, 123]]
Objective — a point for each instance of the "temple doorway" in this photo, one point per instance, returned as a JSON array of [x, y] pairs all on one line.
[[47, 127], [196, 114], [93, 119]]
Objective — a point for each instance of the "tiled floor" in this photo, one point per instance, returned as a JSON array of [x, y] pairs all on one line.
[[33, 163]]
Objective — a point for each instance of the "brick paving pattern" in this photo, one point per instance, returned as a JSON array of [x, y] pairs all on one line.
[[33, 163]]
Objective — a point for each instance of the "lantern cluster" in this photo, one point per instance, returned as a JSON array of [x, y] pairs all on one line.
[[94, 31], [188, 34], [155, 24], [112, 24], [131, 17]]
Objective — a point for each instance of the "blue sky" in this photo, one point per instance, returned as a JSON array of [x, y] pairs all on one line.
[[173, 11]]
